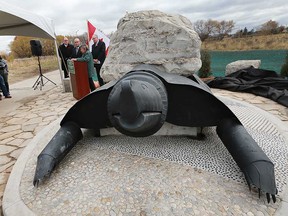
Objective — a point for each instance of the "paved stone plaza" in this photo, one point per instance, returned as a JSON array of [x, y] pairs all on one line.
[[99, 179]]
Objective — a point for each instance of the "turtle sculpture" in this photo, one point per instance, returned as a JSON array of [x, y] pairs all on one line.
[[140, 102]]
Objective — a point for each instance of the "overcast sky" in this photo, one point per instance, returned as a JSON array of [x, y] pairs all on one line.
[[70, 16]]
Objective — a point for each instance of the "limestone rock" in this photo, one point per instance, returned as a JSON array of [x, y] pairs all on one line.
[[153, 37], [241, 64]]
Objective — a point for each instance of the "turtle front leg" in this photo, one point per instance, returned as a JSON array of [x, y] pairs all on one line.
[[59, 146], [254, 163]]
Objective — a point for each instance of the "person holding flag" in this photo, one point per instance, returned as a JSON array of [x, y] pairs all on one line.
[[99, 56]]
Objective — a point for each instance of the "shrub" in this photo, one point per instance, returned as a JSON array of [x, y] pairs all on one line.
[[284, 69], [205, 70]]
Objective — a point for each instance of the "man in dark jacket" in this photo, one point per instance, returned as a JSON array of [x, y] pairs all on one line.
[[76, 50], [99, 55], [65, 52]]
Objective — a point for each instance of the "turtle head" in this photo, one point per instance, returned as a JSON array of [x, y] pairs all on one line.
[[137, 104]]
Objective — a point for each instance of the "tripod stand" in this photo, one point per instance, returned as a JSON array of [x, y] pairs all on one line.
[[39, 82]]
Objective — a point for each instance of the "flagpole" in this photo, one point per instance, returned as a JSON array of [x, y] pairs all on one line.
[[88, 39]]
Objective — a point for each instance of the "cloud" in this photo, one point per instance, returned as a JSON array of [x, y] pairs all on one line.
[[70, 16], [4, 43]]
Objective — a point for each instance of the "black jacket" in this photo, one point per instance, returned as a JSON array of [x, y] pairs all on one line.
[[65, 53], [99, 52], [76, 55]]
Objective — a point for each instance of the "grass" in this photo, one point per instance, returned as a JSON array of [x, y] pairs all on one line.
[[261, 42], [20, 69]]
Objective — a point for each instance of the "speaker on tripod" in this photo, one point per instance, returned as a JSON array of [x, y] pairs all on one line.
[[36, 49]]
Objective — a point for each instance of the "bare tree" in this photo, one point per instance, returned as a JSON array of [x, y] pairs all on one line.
[[205, 28], [200, 28], [212, 26], [224, 27], [270, 27]]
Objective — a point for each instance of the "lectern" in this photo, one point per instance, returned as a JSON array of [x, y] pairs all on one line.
[[78, 78]]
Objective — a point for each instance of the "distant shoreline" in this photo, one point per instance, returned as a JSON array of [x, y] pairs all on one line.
[[261, 42], [249, 50]]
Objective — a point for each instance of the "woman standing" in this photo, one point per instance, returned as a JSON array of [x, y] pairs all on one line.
[[87, 57]]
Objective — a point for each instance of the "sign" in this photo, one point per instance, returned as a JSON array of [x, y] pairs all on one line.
[[71, 67]]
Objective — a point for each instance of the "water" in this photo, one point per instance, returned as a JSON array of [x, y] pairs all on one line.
[[270, 59]]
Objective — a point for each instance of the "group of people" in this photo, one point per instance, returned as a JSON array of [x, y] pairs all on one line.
[[78, 52], [4, 85]]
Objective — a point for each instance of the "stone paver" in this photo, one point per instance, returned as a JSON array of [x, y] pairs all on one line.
[[17, 120], [10, 128], [3, 178], [24, 135], [17, 128], [7, 140], [4, 160], [6, 166], [10, 134], [4, 149], [29, 128], [15, 154]]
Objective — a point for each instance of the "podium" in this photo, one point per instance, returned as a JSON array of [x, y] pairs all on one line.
[[78, 78]]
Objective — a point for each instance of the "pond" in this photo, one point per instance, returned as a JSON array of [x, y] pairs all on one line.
[[270, 59]]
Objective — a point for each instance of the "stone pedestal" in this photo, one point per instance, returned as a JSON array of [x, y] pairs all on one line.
[[153, 37], [166, 130]]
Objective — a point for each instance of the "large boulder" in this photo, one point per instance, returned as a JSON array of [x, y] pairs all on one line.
[[241, 64], [153, 37]]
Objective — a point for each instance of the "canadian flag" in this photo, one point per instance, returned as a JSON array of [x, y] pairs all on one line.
[[92, 30]]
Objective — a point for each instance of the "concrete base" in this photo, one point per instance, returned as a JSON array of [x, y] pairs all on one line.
[[67, 85], [166, 130]]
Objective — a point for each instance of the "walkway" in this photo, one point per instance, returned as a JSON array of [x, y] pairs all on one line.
[[23, 116]]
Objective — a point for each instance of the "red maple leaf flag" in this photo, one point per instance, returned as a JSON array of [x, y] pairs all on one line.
[[92, 30]]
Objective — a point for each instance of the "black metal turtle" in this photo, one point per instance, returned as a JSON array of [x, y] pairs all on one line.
[[140, 102]]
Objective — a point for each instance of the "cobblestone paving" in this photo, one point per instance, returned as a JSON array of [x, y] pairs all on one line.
[[112, 183], [270, 106], [20, 126]]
